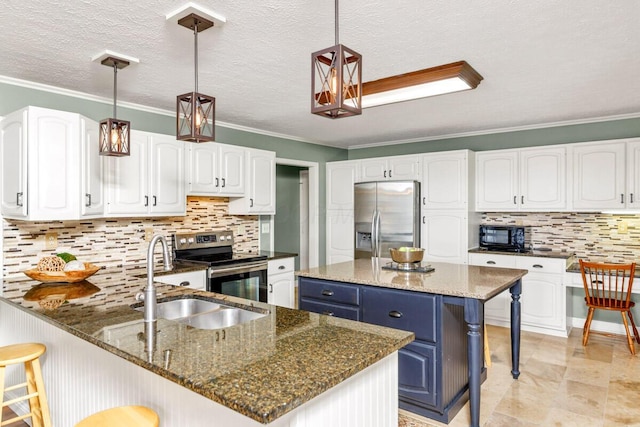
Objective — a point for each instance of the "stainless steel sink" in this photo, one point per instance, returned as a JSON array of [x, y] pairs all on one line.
[[204, 314]]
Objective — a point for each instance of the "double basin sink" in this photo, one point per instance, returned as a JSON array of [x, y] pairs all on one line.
[[203, 314]]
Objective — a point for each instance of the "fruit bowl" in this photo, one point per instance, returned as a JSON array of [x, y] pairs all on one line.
[[406, 254], [63, 276]]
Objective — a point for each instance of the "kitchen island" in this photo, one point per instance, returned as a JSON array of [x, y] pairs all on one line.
[[444, 365], [288, 368]]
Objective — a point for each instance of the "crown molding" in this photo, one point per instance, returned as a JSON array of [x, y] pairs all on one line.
[[500, 130]]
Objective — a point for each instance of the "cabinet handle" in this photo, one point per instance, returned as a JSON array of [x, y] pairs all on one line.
[[514, 200], [389, 173], [395, 314], [270, 288], [185, 283], [327, 293], [385, 174], [537, 266], [155, 201], [630, 197], [622, 198], [282, 267], [424, 200], [250, 203], [522, 200], [146, 200], [19, 199], [224, 183], [424, 219], [328, 313], [217, 182], [491, 262], [88, 196]]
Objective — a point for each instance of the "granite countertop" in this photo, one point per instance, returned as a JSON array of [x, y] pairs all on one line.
[[535, 252], [278, 255], [458, 280], [261, 369]]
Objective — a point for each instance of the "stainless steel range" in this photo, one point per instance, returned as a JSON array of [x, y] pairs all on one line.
[[229, 273]]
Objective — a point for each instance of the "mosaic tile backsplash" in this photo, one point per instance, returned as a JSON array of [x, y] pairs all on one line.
[[597, 236], [120, 241]]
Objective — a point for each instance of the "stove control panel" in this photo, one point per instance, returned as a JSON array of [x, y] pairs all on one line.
[[207, 239]]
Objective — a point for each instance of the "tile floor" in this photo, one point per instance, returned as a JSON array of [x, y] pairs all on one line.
[[561, 383]]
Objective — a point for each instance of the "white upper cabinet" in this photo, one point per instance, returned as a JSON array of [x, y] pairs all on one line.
[[149, 182], [340, 179], [92, 188], [260, 178], [214, 169], [445, 180], [445, 236], [397, 168], [43, 156], [606, 175], [530, 179]]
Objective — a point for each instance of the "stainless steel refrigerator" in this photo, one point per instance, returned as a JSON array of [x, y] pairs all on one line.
[[387, 215]]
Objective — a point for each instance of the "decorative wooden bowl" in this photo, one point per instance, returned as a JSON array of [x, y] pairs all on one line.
[[63, 276]]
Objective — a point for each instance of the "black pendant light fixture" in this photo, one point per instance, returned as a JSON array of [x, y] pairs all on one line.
[[336, 80], [114, 133], [195, 116]]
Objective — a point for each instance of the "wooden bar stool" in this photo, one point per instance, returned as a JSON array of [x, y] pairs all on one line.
[[28, 354], [122, 416]]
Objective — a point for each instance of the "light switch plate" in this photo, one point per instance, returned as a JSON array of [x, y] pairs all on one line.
[[265, 228], [51, 240], [623, 227]]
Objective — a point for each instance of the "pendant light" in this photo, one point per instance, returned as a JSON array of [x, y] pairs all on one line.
[[114, 133], [336, 80], [195, 114]]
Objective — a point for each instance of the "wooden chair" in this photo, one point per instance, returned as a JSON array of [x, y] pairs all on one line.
[[608, 287], [122, 416], [29, 354]]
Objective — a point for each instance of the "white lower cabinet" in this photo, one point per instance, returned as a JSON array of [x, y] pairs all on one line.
[[190, 279], [543, 298], [281, 282]]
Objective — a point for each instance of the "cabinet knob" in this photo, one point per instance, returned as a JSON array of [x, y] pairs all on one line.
[[491, 262], [328, 313], [327, 293], [185, 283], [282, 267], [395, 314]]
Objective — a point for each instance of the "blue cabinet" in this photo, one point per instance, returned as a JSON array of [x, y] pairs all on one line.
[[432, 371]]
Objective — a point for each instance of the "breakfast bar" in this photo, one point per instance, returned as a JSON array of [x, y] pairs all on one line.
[[441, 369]]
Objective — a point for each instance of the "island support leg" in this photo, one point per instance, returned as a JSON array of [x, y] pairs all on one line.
[[473, 315], [515, 290]]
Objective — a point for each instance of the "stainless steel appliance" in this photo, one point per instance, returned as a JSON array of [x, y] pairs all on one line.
[[387, 215], [509, 238], [240, 275]]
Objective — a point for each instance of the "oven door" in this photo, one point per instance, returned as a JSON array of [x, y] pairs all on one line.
[[247, 280]]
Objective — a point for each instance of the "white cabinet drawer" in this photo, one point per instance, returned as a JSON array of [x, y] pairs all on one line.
[[541, 265], [191, 279], [278, 266], [493, 260]]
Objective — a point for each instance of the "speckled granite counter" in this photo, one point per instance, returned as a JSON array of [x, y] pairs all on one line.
[[456, 280], [277, 255], [262, 369]]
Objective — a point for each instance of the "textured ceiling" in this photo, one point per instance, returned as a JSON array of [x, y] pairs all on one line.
[[542, 61]]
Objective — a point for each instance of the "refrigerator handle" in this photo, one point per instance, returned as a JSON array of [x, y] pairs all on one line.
[[373, 234], [378, 246]]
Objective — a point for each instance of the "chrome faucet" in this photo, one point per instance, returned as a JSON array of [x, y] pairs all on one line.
[[150, 300]]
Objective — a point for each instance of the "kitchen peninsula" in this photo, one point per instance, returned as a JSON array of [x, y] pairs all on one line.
[[442, 367], [288, 368]]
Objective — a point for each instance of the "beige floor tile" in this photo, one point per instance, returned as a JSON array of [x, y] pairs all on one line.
[[580, 398], [623, 401], [562, 418], [500, 420], [589, 372]]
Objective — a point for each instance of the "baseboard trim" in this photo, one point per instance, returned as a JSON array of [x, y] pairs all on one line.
[[598, 325]]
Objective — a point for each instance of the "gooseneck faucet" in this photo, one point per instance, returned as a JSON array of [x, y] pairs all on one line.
[[150, 300]]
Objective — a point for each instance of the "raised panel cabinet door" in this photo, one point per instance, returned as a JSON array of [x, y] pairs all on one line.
[[92, 191], [404, 168], [445, 236], [340, 179], [497, 311], [262, 192], [127, 178], [202, 169], [374, 170], [599, 176], [53, 160], [232, 173], [497, 181], [542, 302], [633, 174], [13, 155], [340, 242], [166, 186], [417, 373], [281, 290], [543, 179], [444, 181]]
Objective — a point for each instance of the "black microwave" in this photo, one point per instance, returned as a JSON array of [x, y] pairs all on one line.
[[509, 238]]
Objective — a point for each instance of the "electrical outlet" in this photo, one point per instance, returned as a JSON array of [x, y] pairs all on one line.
[[265, 227], [51, 240], [148, 234], [623, 227], [241, 230]]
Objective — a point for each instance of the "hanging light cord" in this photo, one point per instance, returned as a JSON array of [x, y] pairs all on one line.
[[195, 52], [337, 41], [115, 87]]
